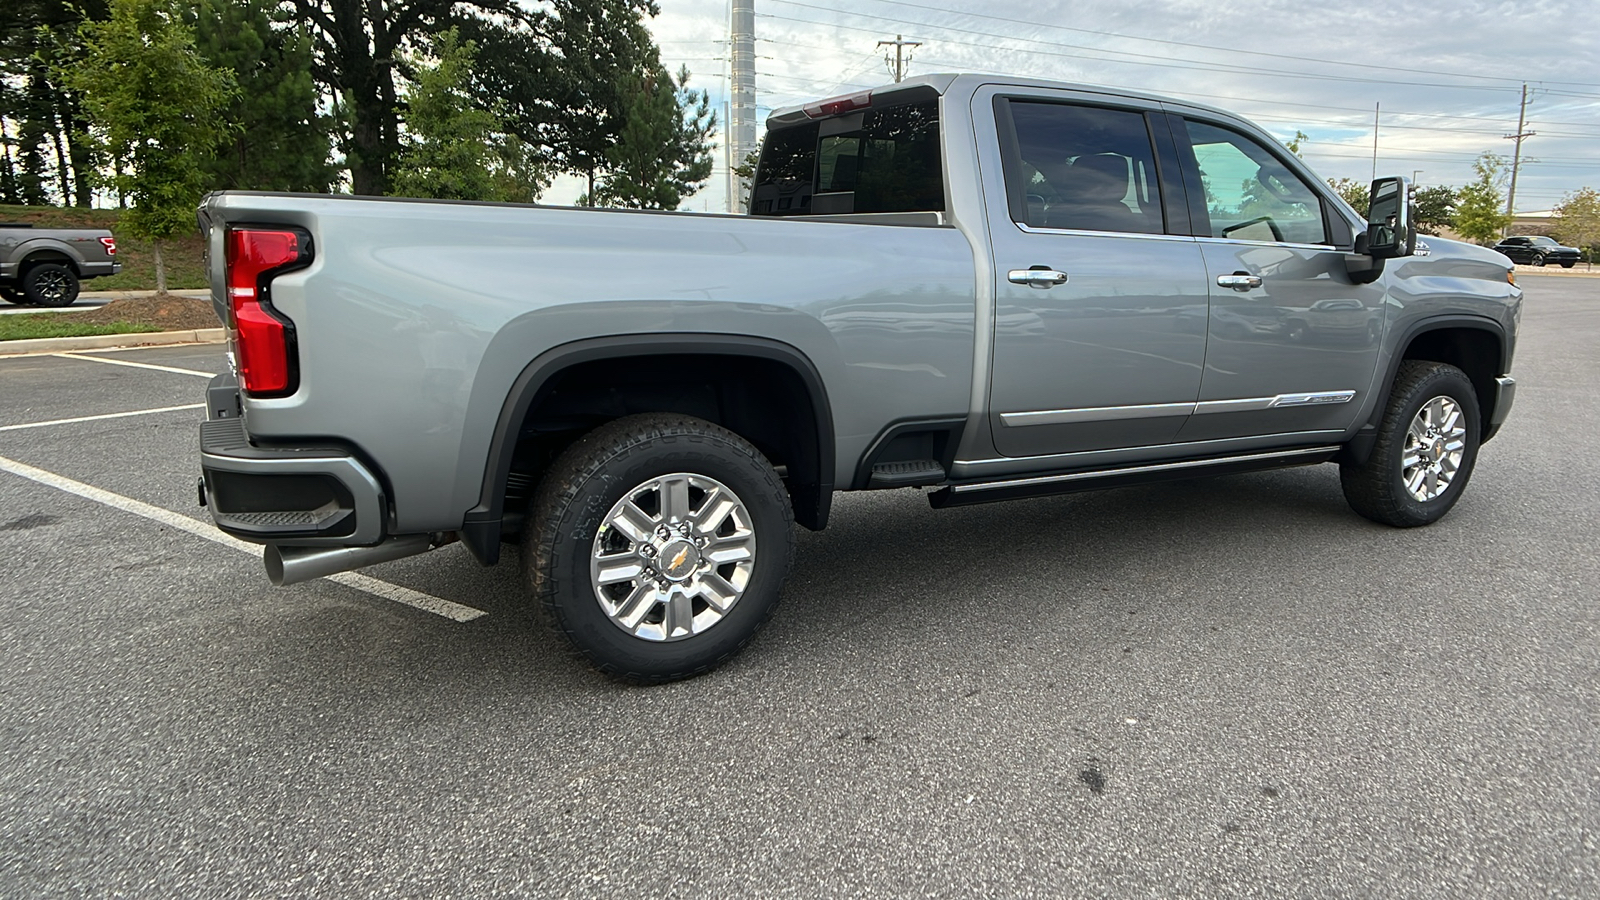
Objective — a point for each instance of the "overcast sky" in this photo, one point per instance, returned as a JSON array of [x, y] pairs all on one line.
[[1448, 73]]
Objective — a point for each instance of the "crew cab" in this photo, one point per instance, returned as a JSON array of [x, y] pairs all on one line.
[[980, 287], [45, 266]]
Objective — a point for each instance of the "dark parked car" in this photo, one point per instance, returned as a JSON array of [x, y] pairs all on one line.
[[1536, 250]]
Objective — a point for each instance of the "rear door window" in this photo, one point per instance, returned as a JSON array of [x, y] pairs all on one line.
[[1082, 168], [874, 161]]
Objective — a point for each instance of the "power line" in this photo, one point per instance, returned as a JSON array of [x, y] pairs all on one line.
[[1152, 60], [1231, 51]]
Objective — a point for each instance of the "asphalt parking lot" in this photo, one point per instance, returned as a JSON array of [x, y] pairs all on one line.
[[1223, 688]]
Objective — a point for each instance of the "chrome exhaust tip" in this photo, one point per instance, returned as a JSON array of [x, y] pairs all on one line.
[[292, 565]]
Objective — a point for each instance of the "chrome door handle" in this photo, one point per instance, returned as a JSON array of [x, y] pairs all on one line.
[[1037, 278], [1239, 281]]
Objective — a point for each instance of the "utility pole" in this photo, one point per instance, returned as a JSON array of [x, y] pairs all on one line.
[[741, 120], [1376, 107], [901, 58], [1516, 157]]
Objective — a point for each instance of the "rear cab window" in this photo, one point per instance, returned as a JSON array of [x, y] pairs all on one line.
[[882, 159]]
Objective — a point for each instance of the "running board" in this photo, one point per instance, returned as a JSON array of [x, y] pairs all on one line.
[[1100, 479]]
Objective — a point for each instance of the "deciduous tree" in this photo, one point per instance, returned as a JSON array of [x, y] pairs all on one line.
[[1578, 220], [1480, 206], [1436, 208], [155, 103], [1354, 192]]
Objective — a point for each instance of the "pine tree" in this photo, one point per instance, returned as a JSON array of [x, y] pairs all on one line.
[[663, 152], [452, 148], [282, 142]]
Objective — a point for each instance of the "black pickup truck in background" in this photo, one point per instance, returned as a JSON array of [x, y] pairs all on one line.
[[44, 266]]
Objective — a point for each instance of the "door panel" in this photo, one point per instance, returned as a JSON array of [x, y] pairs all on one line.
[[1112, 356], [1293, 346], [1305, 331]]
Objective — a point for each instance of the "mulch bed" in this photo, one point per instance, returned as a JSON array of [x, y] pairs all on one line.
[[168, 312]]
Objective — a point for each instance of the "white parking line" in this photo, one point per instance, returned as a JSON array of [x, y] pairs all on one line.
[[136, 365], [415, 599], [121, 415]]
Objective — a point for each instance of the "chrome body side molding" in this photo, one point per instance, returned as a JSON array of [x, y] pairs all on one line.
[[1156, 410]]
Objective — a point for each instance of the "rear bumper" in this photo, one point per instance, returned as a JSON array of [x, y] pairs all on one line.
[[304, 495], [97, 269]]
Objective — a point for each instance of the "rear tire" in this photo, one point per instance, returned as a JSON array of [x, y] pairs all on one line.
[[1426, 449], [1538, 260], [659, 544], [50, 284], [11, 294]]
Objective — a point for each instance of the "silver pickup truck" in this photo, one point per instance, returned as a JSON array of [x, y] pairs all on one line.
[[45, 266], [987, 287]]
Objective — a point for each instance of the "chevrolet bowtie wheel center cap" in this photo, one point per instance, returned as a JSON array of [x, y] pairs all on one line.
[[679, 559]]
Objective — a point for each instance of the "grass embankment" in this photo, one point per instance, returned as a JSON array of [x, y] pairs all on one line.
[[183, 255], [131, 316], [46, 325]]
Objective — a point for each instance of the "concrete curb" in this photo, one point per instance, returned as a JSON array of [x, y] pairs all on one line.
[[106, 341], [1574, 272]]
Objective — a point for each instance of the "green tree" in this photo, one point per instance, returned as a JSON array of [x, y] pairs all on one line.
[[1480, 207], [454, 149], [281, 142], [1436, 208], [663, 152], [1354, 192], [156, 104], [1295, 143], [568, 78], [1578, 221]]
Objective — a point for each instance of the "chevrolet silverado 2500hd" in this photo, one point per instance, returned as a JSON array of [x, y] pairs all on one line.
[[988, 287]]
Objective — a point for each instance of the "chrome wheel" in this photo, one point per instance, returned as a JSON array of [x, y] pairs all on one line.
[[1435, 443], [673, 557]]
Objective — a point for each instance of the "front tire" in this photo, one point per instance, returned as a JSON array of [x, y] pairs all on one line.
[[1426, 449], [659, 544], [12, 295], [1568, 263]]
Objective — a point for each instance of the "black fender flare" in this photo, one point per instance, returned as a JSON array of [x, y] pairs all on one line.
[[481, 526], [1359, 448]]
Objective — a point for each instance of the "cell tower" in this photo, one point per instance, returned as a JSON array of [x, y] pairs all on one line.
[[742, 109]]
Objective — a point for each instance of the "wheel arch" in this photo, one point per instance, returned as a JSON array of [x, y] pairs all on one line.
[[33, 252], [809, 450], [1474, 344]]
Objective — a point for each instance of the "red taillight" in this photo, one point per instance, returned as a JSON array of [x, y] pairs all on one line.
[[836, 105], [261, 336], [110, 243]]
